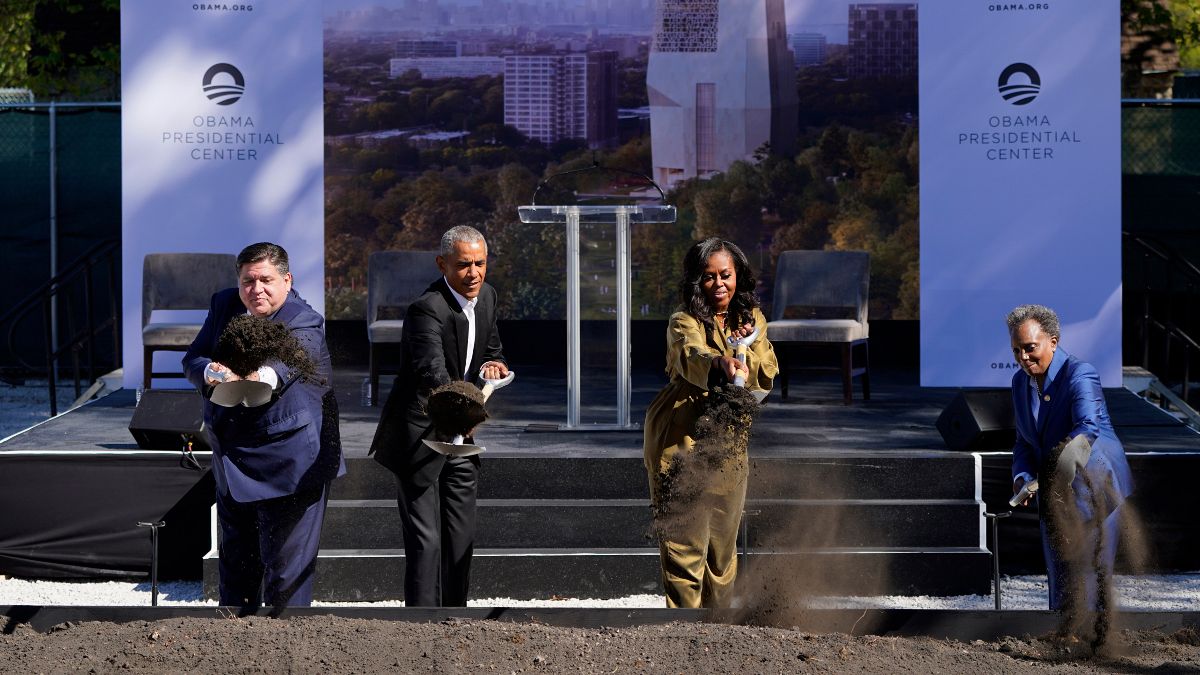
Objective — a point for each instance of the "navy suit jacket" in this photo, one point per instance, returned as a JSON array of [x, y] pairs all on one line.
[[287, 445], [1076, 406], [433, 347]]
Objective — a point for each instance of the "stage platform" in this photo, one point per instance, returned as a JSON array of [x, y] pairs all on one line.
[[864, 497]]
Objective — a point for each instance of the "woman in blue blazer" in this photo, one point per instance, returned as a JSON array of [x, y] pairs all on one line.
[[1057, 397]]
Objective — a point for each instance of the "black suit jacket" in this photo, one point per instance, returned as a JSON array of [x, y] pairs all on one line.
[[433, 348]]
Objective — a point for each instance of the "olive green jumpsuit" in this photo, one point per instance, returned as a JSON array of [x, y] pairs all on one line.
[[699, 561]]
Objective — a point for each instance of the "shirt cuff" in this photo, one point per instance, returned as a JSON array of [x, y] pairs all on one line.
[[267, 374], [212, 374]]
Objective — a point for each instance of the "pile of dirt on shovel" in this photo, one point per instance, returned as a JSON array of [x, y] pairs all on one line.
[[455, 408]]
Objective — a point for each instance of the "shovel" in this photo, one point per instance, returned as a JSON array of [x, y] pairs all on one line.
[[1074, 457], [456, 447], [740, 347]]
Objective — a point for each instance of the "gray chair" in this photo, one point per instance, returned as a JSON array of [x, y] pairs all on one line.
[[821, 300], [178, 281], [394, 280]]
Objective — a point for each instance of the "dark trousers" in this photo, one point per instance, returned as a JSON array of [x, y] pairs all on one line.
[[269, 548], [438, 521]]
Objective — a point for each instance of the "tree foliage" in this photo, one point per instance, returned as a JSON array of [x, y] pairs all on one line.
[[61, 49]]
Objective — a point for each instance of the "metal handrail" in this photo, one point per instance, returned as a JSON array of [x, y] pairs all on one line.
[[1175, 266], [107, 253], [1153, 246]]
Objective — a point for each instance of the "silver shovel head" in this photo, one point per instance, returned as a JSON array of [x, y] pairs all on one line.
[[249, 393], [452, 450], [1075, 455]]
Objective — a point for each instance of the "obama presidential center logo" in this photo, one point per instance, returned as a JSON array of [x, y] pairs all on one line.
[[224, 84], [1019, 84]]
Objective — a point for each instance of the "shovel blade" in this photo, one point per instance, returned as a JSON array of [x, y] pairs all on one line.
[[452, 450]]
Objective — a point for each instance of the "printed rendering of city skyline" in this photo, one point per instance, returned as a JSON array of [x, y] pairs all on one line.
[[827, 17]]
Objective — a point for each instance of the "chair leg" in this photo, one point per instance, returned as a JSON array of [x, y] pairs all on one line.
[[847, 369], [866, 376], [147, 366], [783, 373], [374, 365]]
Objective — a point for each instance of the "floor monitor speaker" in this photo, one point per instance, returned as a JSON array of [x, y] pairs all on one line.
[[165, 419], [979, 419]]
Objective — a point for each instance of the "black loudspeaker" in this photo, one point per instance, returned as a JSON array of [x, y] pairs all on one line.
[[165, 419], [979, 419]]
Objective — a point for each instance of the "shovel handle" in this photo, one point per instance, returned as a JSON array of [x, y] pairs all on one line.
[[1027, 489], [490, 386]]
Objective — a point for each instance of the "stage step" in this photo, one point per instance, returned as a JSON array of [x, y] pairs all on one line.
[[553, 521], [903, 474], [354, 575], [584, 523]]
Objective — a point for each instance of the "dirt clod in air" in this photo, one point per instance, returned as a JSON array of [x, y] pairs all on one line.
[[1080, 544], [722, 433]]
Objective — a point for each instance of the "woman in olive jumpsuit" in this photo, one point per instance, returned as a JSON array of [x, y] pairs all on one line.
[[699, 558]]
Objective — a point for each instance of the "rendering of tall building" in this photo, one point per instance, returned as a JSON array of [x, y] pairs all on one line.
[[721, 83], [808, 49], [551, 97], [416, 49], [883, 40], [602, 99]]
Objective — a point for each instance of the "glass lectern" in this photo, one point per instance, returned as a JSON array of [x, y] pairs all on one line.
[[621, 217]]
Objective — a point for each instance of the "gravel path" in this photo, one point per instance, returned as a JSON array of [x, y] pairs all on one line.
[[1175, 592], [22, 406]]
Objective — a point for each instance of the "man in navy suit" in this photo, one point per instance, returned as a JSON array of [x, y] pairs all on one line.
[[449, 334], [1057, 397], [272, 463]]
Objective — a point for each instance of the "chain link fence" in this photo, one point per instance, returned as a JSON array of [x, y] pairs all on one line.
[[1160, 137], [60, 194]]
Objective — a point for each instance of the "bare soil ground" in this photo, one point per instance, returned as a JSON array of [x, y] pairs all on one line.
[[341, 645]]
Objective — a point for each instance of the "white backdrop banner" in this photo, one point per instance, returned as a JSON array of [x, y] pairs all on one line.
[[221, 141], [1020, 181]]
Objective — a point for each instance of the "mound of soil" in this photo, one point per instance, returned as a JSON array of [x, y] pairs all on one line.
[[326, 644]]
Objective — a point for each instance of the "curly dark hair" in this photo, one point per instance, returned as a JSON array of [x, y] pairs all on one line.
[[249, 342], [691, 294]]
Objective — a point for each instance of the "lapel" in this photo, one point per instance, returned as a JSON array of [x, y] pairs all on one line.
[[1024, 412], [461, 329], [1046, 408], [288, 310]]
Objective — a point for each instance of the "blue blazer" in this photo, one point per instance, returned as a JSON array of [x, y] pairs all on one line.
[[1076, 406], [287, 445]]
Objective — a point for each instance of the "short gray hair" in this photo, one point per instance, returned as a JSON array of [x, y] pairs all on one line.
[[1044, 316], [463, 233]]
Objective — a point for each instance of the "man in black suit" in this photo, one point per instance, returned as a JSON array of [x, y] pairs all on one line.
[[449, 334]]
